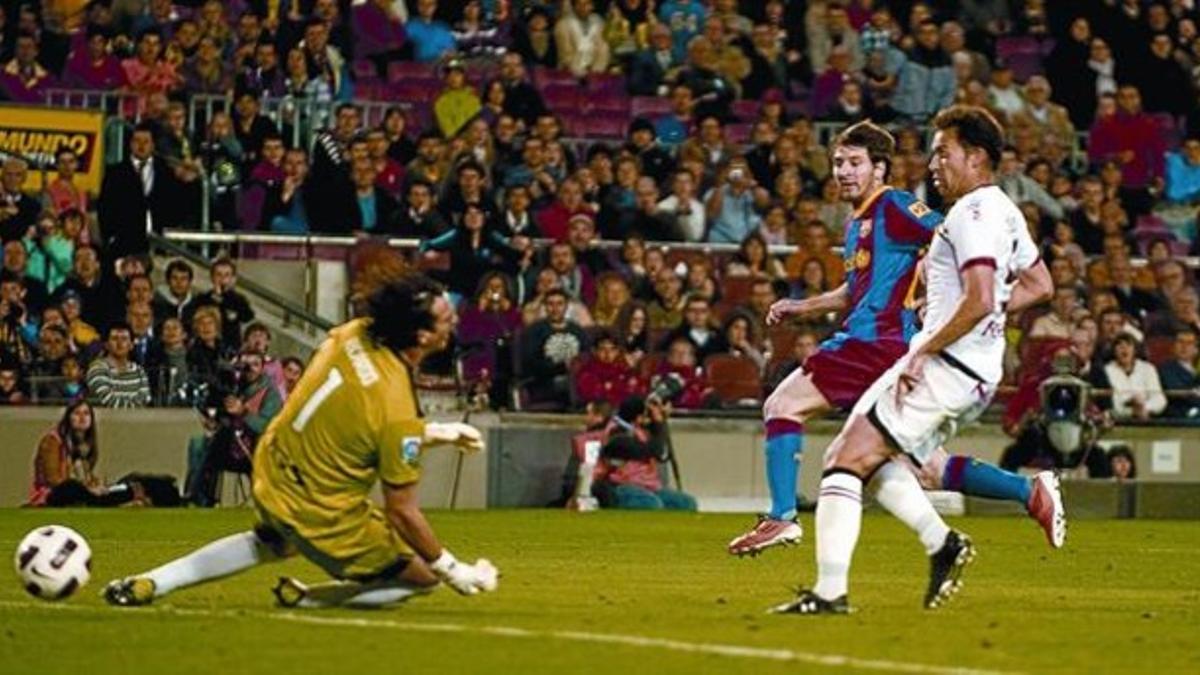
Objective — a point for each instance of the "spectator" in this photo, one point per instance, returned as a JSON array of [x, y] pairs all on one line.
[[115, 381], [478, 35], [1165, 86], [1019, 187], [431, 38], [684, 18], [311, 94], [488, 323], [474, 250], [83, 334], [325, 60], [656, 161], [24, 79], [1183, 173], [925, 80], [1137, 392], [1131, 137], [457, 103], [293, 368], [207, 353], [18, 211], [12, 381], [138, 196], [633, 332], [93, 66], [697, 328], [1178, 375], [731, 205], [683, 209], [635, 445], [1060, 321], [545, 281], [285, 205], [579, 35], [665, 312], [379, 33], [711, 89], [1045, 117], [1121, 463], [175, 299], [1067, 68], [93, 290], [234, 308], [682, 362], [62, 194], [535, 40], [262, 76], [754, 260], [804, 346], [147, 72], [742, 340], [549, 346], [605, 375], [655, 66], [239, 417], [419, 218], [64, 465], [32, 271], [18, 328], [376, 209]]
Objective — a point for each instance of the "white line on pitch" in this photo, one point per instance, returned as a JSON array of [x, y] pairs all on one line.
[[718, 649]]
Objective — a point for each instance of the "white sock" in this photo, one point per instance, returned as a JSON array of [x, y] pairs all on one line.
[[897, 490], [220, 558], [354, 594], [839, 518]]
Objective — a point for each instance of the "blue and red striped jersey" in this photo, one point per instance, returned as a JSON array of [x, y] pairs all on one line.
[[884, 239]]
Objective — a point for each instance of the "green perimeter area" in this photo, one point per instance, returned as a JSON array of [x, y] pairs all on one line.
[[1123, 596]]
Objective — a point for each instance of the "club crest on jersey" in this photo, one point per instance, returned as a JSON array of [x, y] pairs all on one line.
[[864, 230], [919, 209], [410, 450]]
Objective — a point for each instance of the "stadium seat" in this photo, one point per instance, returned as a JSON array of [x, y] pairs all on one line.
[[739, 133], [735, 380], [1025, 65], [364, 71], [1168, 128], [401, 71], [1009, 46], [649, 106], [606, 83], [543, 77], [563, 98], [603, 126], [610, 104], [746, 111]]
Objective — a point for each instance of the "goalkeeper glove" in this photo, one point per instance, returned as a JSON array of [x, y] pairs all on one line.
[[463, 578], [464, 436]]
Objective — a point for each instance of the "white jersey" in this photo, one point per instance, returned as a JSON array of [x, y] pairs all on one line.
[[983, 228]]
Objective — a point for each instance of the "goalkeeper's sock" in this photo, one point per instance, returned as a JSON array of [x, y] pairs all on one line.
[[897, 490], [354, 594], [839, 518], [221, 558], [980, 479], [784, 443]]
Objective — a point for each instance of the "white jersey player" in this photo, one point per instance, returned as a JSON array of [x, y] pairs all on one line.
[[980, 263]]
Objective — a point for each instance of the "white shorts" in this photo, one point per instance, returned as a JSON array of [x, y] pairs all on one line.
[[945, 398]]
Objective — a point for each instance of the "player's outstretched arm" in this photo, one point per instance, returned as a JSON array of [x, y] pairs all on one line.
[[462, 436], [829, 301], [976, 304], [1034, 286], [405, 515]]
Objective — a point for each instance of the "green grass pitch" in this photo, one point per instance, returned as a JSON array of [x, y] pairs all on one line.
[[632, 593]]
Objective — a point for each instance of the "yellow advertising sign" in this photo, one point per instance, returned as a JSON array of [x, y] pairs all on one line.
[[37, 134]]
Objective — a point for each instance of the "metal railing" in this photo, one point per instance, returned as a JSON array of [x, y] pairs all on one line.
[[290, 311]]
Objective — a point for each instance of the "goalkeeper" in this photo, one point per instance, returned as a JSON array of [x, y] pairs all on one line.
[[352, 420]]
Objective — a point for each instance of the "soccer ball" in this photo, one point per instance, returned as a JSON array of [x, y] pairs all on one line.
[[53, 562]]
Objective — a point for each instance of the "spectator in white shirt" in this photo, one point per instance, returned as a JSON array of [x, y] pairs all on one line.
[[1137, 391], [682, 209], [1058, 323]]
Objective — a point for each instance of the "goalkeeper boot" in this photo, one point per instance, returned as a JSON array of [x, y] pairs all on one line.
[[946, 567], [289, 592], [129, 592], [1046, 507], [766, 533], [808, 602]]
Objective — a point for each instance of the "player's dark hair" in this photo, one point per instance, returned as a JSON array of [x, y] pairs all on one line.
[[974, 127], [401, 307], [877, 141]]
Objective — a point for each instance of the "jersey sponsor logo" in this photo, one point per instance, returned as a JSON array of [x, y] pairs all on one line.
[[919, 209], [410, 450], [363, 368]]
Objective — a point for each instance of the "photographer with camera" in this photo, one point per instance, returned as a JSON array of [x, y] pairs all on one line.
[[636, 443], [235, 411], [1053, 416], [732, 204]]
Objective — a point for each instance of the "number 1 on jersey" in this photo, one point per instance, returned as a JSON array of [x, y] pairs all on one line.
[[330, 385]]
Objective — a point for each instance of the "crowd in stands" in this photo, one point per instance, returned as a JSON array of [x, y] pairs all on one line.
[[520, 133]]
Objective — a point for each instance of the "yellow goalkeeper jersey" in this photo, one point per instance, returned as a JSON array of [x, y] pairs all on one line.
[[352, 419]]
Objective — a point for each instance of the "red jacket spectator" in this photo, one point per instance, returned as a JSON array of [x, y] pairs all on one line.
[[1131, 137], [377, 30], [606, 376]]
